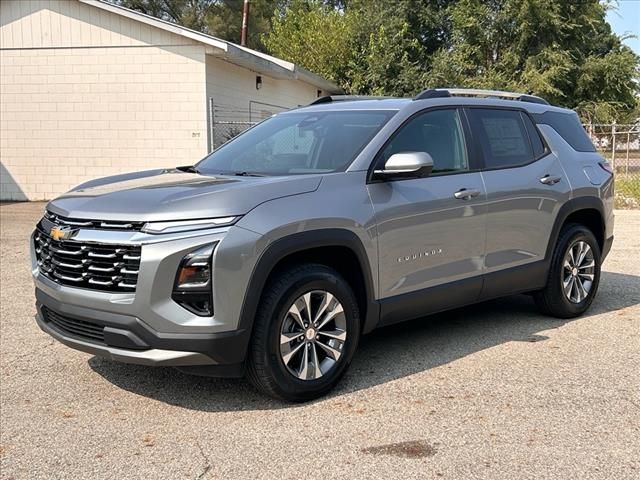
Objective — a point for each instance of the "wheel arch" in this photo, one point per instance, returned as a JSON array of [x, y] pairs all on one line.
[[348, 251], [587, 211]]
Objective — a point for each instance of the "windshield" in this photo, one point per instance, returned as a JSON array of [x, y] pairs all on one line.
[[297, 143]]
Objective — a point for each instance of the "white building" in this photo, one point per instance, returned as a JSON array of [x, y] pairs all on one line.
[[89, 89]]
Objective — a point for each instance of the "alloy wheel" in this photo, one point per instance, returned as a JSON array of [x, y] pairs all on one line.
[[313, 334], [578, 271]]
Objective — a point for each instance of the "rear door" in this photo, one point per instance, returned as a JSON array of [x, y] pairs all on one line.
[[430, 233], [526, 186]]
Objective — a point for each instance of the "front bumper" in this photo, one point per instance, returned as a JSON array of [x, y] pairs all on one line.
[[127, 339], [152, 357], [146, 326]]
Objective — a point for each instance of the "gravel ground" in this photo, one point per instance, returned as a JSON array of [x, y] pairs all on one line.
[[491, 391]]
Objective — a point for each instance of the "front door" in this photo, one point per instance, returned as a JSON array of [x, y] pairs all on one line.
[[431, 231]]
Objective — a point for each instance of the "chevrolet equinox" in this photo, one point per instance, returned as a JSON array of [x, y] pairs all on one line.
[[275, 253]]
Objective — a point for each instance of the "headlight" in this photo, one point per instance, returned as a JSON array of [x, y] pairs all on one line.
[[193, 285], [187, 225]]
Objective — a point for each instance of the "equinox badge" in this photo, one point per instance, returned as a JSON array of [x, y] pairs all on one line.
[[423, 254]]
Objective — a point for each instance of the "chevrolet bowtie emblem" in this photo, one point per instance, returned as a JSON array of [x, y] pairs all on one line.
[[60, 233]]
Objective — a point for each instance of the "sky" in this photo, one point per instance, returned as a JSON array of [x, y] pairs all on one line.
[[626, 19]]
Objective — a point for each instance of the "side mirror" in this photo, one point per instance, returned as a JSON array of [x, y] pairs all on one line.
[[407, 165]]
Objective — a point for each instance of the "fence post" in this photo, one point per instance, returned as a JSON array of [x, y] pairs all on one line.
[[613, 146], [626, 165], [212, 132]]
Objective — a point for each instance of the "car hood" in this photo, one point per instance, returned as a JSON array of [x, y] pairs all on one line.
[[175, 195]]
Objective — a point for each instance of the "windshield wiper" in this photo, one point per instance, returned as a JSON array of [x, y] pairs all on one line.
[[248, 174], [188, 169]]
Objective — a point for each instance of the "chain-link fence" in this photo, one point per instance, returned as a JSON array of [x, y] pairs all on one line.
[[227, 121], [620, 145], [225, 130]]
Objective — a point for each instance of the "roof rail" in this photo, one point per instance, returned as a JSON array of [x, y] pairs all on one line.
[[432, 93], [344, 98], [476, 92]]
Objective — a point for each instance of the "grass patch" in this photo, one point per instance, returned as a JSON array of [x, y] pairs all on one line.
[[627, 188]]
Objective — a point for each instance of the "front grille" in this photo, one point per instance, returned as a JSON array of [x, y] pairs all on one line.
[[93, 224], [111, 268], [73, 326]]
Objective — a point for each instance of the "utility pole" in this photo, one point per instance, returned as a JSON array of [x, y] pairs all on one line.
[[245, 23]]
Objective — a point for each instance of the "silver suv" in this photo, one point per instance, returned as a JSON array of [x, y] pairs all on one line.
[[275, 253]]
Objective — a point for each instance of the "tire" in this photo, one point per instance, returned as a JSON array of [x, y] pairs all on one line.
[[274, 365], [554, 300]]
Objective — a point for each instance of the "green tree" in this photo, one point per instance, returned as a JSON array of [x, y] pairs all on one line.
[[220, 18], [225, 20], [366, 46], [564, 51], [316, 36], [396, 43], [188, 13]]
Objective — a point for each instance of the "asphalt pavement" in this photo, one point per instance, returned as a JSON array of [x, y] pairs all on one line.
[[490, 391]]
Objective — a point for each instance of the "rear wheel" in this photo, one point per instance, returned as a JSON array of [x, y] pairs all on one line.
[[305, 334], [574, 274]]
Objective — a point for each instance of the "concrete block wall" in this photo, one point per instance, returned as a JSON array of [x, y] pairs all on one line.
[[70, 115], [71, 110]]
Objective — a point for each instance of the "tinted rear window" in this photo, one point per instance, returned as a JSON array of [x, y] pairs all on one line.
[[503, 137], [568, 127]]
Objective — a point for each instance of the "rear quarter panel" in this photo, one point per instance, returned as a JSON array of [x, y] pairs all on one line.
[[584, 173]]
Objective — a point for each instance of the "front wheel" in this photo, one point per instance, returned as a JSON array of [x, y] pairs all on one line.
[[305, 333], [574, 274]]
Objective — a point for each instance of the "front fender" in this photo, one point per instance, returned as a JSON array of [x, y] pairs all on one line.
[[298, 242]]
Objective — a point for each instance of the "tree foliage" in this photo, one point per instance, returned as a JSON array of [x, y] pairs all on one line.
[[220, 18], [563, 50], [316, 36]]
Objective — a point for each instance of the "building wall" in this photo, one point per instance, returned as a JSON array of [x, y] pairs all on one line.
[[232, 90], [86, 93]]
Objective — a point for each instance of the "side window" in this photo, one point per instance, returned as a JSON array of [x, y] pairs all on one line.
[[439, 133], [568, 127], [534, 136], [503, 137]]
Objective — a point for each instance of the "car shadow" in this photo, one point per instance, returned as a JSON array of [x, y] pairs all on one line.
[[384, 355]]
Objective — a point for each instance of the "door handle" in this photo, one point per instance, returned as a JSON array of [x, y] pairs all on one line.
[[466, 194], [550, 179]]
